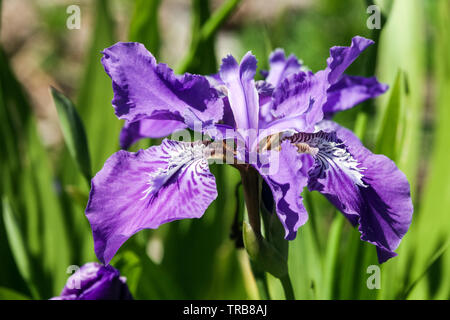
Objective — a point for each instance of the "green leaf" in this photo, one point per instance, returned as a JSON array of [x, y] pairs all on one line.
[[431, 225], [17, 244], [331, 255], [73, 132], [385, 6], [10, 294], [218, 18], [15, 240], [203, 33], [402, 46], [77, 195], [264, 254], [390, 134], [145, 279], [27, 181], [144, 25], [437, 255], [95, 94]]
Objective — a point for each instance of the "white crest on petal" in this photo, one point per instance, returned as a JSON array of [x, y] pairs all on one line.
[[327, 149], [179, 155]]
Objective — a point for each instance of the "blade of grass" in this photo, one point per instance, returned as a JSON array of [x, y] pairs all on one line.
[[73, 132], [29, 185], [206, 32], [95, 94], [331, 255], [402, 46], [9, 294], [144, 26], [18, 248], [438, 254], [432, 223], [390, 134]]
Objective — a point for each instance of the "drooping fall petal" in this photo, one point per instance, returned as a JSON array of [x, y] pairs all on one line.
[[369, 189], [135, 191]]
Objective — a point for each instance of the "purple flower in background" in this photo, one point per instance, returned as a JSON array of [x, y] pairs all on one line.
[[282, 125], [94, 281]]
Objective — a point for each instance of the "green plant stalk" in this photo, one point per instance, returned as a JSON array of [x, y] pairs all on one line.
[[264, 254], [261, 281], [206, 32], [312, 217], [287, 287], [218, 18], [18, 247], [332, 254], [144, 26], [439, 253], [73, 132], [250, 184]]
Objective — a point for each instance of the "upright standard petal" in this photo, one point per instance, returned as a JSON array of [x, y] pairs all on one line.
[[281, 67], [282, 171], [242, 93], [342, 57], [351, 91], [369, 189], [135, 191], [143, 88], [300, 98]]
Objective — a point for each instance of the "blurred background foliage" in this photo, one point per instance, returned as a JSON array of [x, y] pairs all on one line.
[[43, 188]]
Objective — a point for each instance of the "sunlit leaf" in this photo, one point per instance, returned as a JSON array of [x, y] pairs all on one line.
[[73, 131], [144, 26], [10, 294], [390, 134], [15, 240]]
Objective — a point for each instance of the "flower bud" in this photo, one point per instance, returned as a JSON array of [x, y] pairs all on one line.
[[94, 281], [264, 254]]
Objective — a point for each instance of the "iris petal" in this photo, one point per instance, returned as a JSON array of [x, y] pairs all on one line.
[[148, 128], [282, 171], [350, 91], [281, 67], [368, 188], [301, 97], [135, 191], [342, 57], [242, 93], [143, 87]]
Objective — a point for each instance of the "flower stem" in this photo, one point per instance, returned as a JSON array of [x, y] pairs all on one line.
[[250, 183], [266, 255], [261, 282], [287, 287]]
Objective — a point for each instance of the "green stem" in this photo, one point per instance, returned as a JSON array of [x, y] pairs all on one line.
[[438, 254], [331, 255], [207, 31], [250, 184], [266, 256], [312, 217], [287, 287], [261, 282]]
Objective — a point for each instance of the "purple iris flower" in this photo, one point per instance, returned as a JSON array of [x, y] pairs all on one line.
[[282, 126], [94, 281]]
